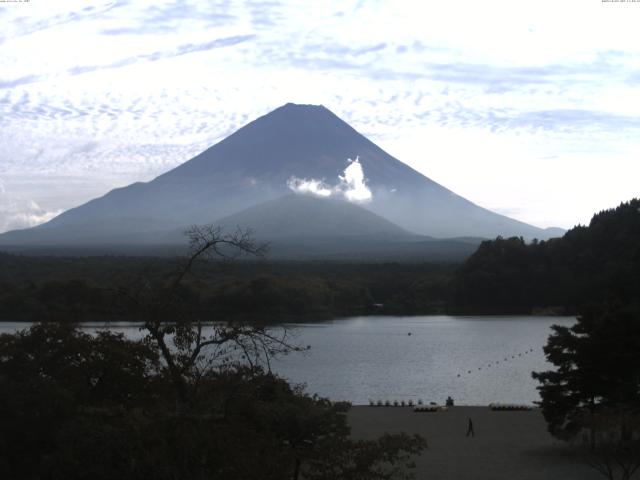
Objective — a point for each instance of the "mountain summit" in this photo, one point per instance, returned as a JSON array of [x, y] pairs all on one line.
[[303, 148]]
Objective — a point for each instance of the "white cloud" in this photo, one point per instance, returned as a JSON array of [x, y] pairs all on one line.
[[313, 187], [27, 217], [351, 184], [17, 212]]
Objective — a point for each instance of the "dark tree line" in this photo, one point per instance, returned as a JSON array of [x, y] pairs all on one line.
[[58, 288], [590, 263], [506, 275], [592, 397]]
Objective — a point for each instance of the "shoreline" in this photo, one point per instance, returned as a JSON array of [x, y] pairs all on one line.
[[507, 444], [320, 318]]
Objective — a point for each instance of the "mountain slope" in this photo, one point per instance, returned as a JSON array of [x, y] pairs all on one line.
[[305, 227], [303, 216], [252, 166]]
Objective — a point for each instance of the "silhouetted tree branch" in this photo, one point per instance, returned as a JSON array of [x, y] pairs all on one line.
[[187, 342]]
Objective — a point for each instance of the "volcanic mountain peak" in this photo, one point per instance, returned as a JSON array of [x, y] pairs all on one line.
[[300, 140], [257, 163]]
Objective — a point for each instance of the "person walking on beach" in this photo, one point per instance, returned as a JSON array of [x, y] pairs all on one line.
[[470, 431]]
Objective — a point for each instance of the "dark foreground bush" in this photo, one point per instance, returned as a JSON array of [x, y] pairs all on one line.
[[78, 406]]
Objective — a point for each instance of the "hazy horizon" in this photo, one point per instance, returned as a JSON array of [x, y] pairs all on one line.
[[528, 110]]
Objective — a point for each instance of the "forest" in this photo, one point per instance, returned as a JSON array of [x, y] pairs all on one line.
[[591, 263], [86, 288]]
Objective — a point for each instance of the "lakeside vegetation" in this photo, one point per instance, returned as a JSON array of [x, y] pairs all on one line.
[[504, 276], [86, 288]]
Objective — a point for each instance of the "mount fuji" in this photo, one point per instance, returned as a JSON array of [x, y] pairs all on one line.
[[286, 175]]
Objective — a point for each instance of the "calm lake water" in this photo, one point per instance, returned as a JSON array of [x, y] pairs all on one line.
[[476, 360]]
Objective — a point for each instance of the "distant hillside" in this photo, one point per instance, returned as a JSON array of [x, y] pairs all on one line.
[[599, 262], [307, 227], [299, 216], [296, 227]]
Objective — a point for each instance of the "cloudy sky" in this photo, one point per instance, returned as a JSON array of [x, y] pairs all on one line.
[[529, 108]]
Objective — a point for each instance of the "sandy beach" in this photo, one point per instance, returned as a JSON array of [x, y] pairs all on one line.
[[507, 445]]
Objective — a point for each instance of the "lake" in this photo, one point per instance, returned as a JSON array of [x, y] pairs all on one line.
[[475, 359]]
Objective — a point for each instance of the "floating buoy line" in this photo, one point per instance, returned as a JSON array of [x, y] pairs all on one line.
[[514, 356]]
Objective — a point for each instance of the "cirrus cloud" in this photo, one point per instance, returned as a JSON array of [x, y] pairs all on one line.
[[127, 89]]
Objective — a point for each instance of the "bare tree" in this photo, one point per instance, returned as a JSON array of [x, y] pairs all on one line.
[[190, 345]]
